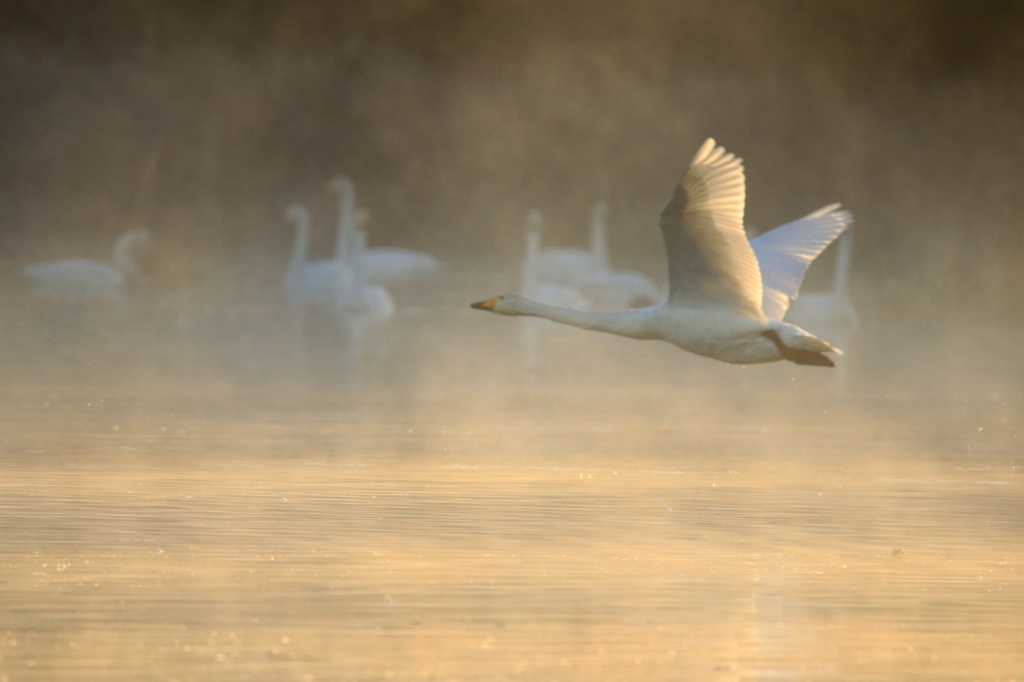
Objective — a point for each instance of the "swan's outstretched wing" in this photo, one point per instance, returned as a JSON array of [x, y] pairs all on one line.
[[710, 262], [785, 253]]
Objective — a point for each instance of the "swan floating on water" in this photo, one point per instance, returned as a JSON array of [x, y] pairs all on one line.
[[320, 281], [589, 271], [80, 278], [531, 283], [609, 288], [616, 289], [395, 264], [552, 293], [727, 295], [362, 298], [572, 265], [382, 264]]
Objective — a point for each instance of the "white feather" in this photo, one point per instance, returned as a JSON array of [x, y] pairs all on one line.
[[711, 264], [786, 252]]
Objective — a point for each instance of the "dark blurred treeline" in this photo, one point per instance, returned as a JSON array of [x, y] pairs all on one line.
[[203, 118]]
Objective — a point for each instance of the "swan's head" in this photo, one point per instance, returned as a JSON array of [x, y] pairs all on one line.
[[342, 184], [599, 211], [534, 219], [296, 213], [506, 304], [128, 246], [138, 237]]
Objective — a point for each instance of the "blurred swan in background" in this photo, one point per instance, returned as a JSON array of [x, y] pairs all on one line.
[[608, 288], [395, 264], [589, 271], [552, 293], [571, 265], [618, 289], [320, 281], [347, 216], [382, 264], [727, 295], [80, 278], [531, 281], [361, 297]]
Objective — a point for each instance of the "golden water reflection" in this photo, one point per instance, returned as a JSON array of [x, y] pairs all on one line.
[[224, 559]]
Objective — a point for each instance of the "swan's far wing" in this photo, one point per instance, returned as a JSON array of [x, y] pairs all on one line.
[[710, 262], [785, 253]]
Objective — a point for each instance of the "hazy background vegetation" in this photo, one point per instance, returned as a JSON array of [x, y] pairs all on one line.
[[202, 119]]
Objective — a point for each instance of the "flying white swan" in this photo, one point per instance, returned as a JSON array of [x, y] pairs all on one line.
[[382, 264], [79, 278], [319, 281], [727, 295]]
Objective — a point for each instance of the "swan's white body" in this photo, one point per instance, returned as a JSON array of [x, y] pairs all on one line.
[[718, 334], [381, 264], [321, 281], [80, 278], [359, 297], [362, 298], [394, 264], [727, 295]]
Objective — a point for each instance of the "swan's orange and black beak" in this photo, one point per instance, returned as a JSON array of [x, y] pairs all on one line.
[[485, 305]]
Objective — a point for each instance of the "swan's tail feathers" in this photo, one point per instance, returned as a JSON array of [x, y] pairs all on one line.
[[809, 357], [807, 350]]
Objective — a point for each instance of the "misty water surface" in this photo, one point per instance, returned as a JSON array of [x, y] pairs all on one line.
[[191, 488]]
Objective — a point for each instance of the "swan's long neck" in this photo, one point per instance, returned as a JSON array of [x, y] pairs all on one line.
[[301, 244], [598, 236], [843, 259], [632, 323], [528, 275], [346, 219], [122, 257], [356, 260]]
